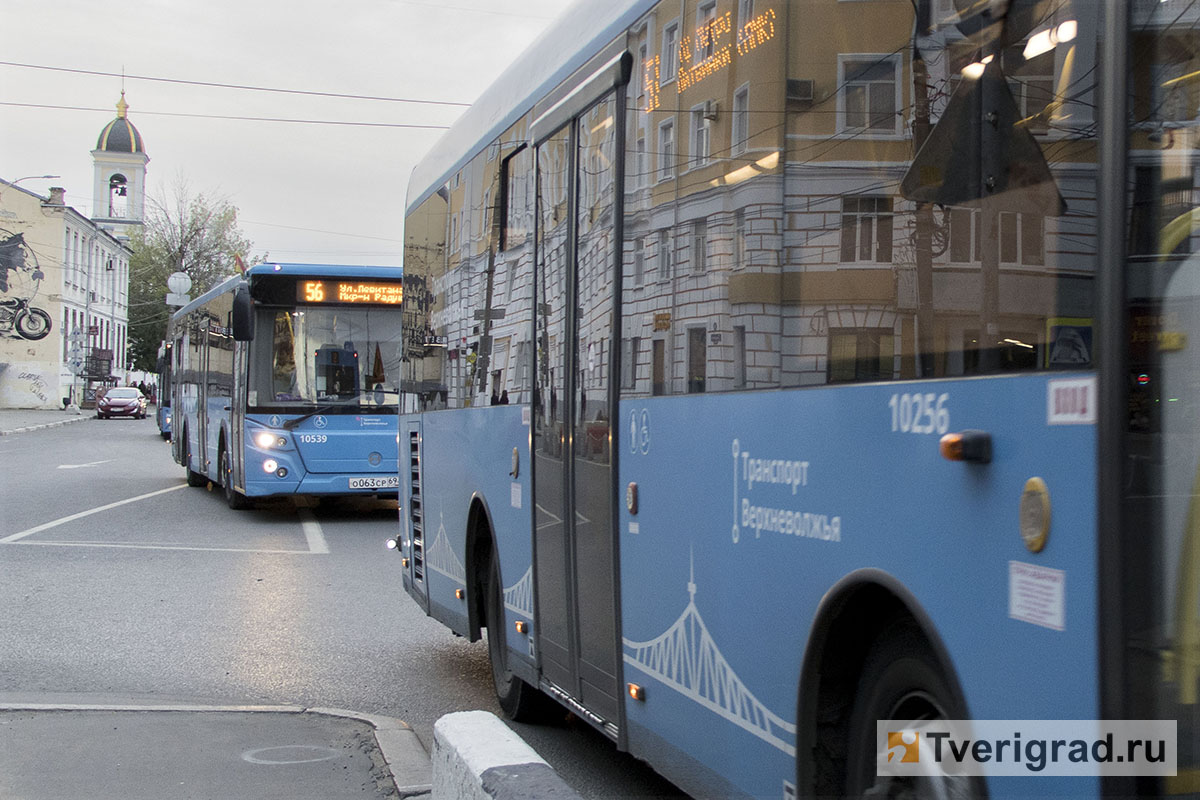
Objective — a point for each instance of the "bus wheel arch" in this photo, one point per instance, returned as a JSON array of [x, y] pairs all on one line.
[[520, 700], [863, 615]]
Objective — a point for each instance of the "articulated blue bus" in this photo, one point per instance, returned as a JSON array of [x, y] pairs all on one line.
[[285, 382], [849, 351]]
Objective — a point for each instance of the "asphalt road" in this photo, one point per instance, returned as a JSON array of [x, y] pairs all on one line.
[[121, 582]]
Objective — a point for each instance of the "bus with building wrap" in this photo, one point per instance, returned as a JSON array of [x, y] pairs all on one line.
[[285, 380], [773, 369]]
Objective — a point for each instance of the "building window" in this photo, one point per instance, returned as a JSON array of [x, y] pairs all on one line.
[[697, 352], [699, 137], [867, 229], [516, 175], [629, 362], [639, 261], [699, 247], [861, 355], [670, 51], [740, 120], [964, 235], [1021, 239], [666, 150], [706, 15], [665, 256], [739, 238], [869, 93], [745, 12]]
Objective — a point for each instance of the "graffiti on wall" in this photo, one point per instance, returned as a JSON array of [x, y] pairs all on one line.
[[20, 280]]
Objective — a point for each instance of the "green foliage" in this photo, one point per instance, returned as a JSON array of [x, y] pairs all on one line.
[[194, 234]]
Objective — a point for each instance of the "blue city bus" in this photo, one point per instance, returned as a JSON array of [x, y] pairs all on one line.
[[847, 352], [285, 382], [162, 415]]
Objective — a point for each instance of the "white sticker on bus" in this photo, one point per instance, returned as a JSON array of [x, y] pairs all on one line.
[[1037, 595], [1071, 401]]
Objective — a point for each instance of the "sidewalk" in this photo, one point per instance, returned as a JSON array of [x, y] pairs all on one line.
[[117, 752], [21, 420]]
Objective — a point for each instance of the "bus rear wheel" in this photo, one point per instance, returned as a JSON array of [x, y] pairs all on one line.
[[233, 498], [902, 681], [519, 701]]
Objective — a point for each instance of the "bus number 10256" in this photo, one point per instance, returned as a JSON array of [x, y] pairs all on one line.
[[920, 413]]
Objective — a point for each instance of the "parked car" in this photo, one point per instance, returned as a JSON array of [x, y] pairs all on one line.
[[122, 401]]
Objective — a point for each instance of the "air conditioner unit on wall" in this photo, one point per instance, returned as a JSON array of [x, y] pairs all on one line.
[[711, 108], [800, 91]]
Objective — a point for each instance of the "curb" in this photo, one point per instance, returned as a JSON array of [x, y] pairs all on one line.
[[55, 424], [478, 757], [405, 756]]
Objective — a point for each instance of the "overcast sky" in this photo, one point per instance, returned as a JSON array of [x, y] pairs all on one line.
[[310, 192]]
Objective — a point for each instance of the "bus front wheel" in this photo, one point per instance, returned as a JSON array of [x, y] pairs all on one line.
[[901, 680], [519, 701]]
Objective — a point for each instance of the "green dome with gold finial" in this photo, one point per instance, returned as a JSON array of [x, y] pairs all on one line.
[[119, 136]]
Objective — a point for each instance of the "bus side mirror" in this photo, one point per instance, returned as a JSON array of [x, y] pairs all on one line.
[[243, 315]]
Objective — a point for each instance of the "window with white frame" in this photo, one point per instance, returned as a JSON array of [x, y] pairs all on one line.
[[745, 12], [739, 238], [666, 258], [699, 246], [706, 15], [740, 120], [870, 87], [866, 229], [639, 261], [670, 52], [700, 136], [666, 149]]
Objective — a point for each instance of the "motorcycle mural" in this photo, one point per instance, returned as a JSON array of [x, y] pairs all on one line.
[[20, 279]]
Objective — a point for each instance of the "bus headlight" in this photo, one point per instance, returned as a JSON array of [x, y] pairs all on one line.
[[266, 440], [270, 465]]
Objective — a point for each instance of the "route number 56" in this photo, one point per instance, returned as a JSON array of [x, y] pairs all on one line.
[[920, 413]]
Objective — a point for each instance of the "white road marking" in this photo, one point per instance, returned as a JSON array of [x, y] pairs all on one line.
[[312, 532], [131, 546], [63, 520], [81, 466]]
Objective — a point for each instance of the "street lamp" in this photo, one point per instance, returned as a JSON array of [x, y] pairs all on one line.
[[31, 177]]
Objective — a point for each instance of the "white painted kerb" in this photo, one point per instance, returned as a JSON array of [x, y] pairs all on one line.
[[468, 743]]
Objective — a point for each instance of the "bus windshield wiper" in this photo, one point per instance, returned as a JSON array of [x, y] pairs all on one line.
[[291, 424], [342, 400]]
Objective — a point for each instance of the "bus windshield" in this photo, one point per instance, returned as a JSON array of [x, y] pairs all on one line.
[[343, 358]]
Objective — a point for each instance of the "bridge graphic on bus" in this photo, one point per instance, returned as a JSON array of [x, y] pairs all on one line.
[[519, 596], [444, 561], [686, 658]]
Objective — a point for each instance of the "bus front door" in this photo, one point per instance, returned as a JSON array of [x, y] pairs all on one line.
[[573, 473]]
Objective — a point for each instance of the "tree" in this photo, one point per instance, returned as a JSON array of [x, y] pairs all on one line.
[[190, 233]]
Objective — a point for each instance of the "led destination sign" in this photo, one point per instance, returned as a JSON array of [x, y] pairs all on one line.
[[388, 293]]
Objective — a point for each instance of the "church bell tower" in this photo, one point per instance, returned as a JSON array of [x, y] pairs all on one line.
[[119, 187]]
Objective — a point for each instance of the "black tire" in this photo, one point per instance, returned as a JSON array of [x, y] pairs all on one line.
[[901, 680], [519, 701], [233, 498], [193, 478], [34, 324]]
